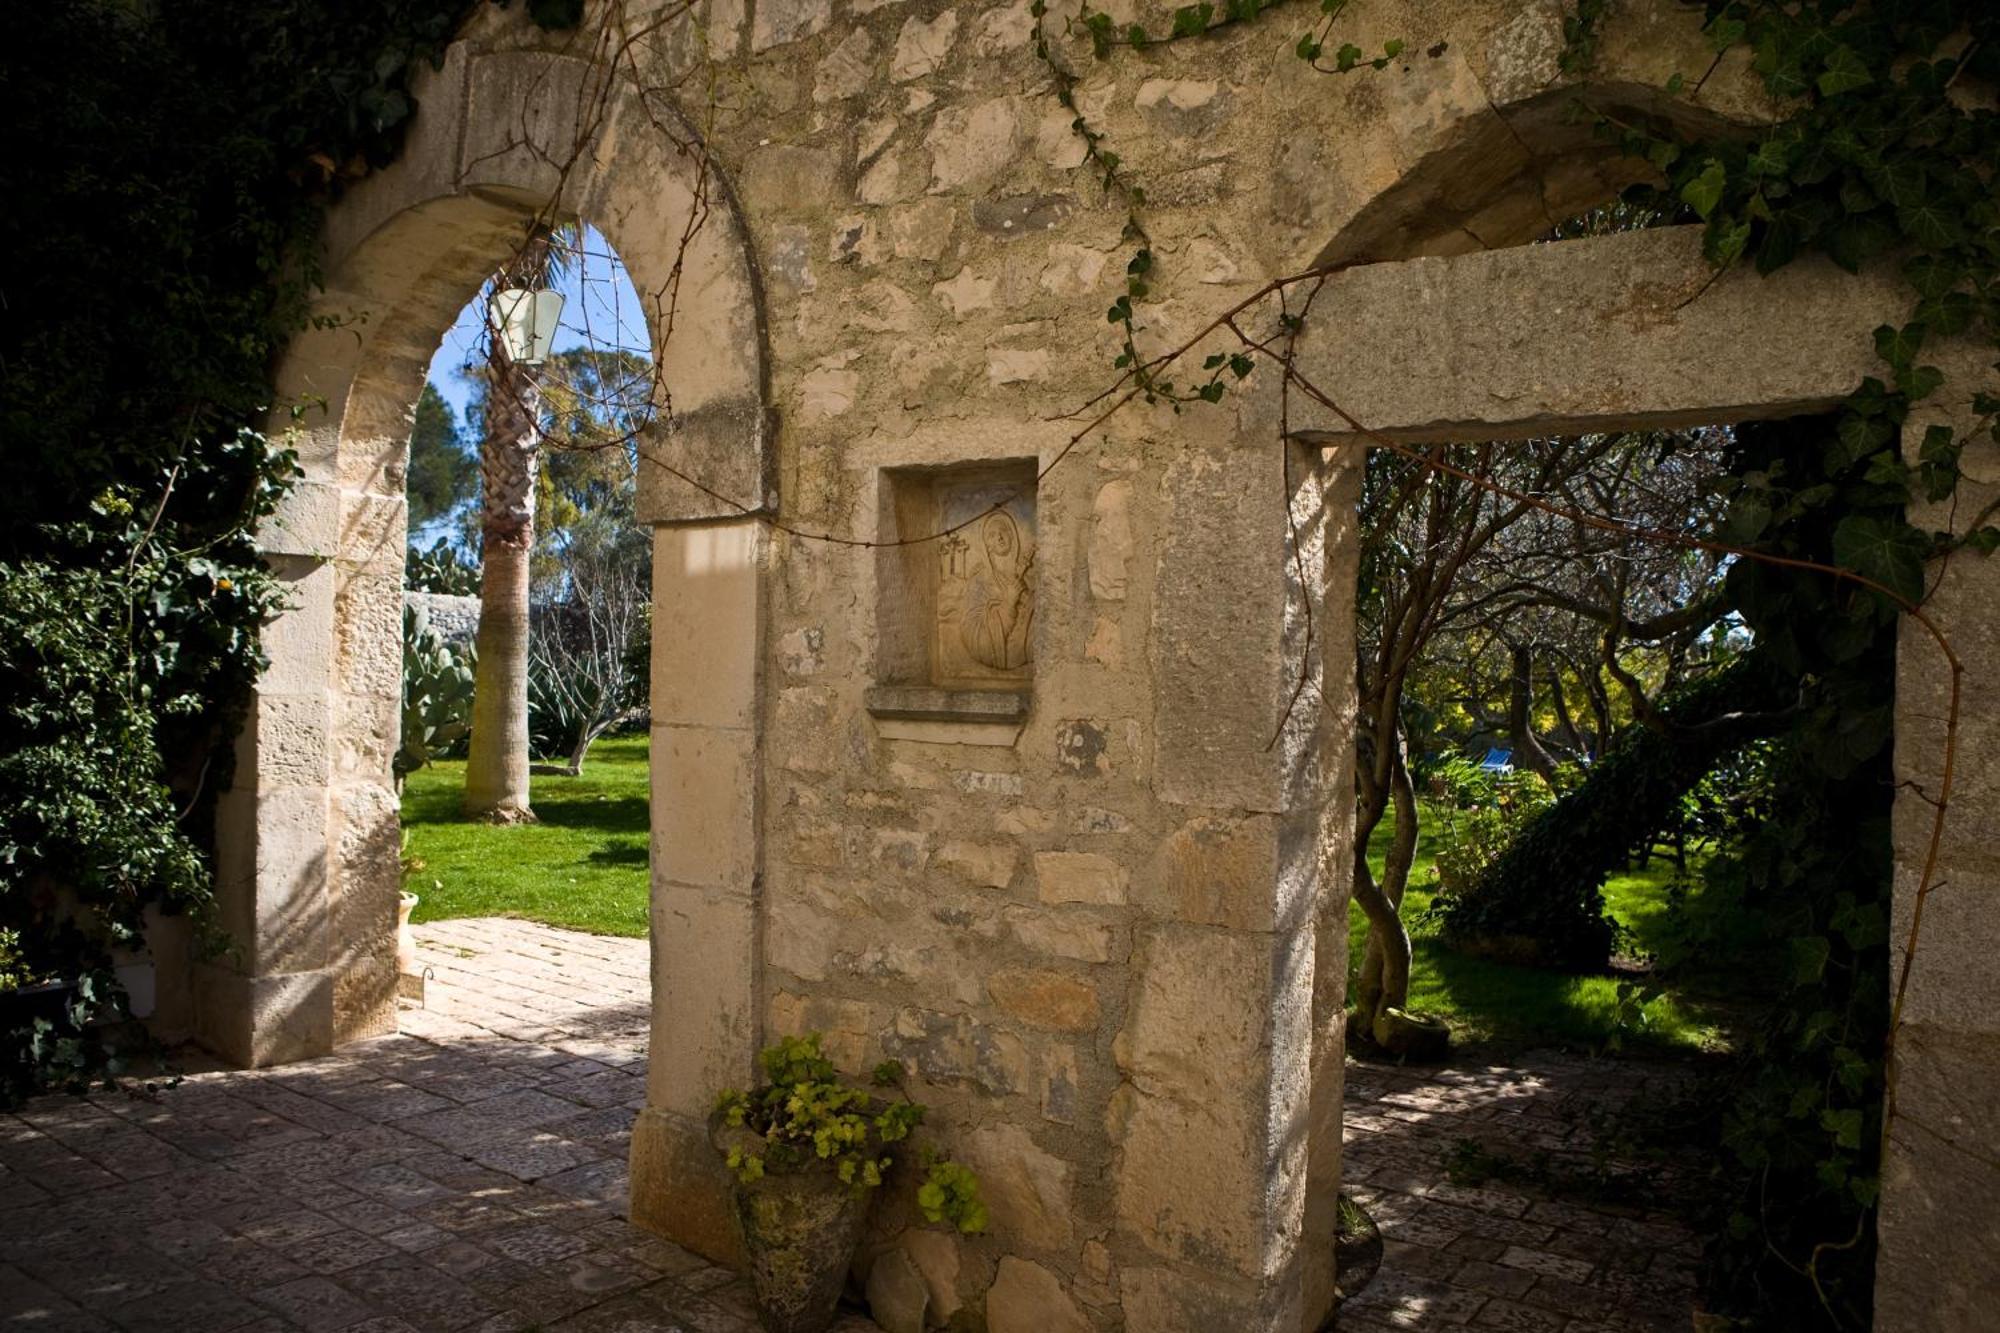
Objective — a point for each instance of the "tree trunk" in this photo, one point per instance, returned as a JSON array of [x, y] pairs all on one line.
[[1528, 751], [496, 769], [1382, 991]]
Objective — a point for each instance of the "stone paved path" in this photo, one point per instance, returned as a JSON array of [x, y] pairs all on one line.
[[469, 1173], [1501, 1256]]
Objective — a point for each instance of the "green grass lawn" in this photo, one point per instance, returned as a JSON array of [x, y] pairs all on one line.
[[1501, 1005], [583, 865]]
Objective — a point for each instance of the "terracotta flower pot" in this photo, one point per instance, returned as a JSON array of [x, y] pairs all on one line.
[[800, 1231]]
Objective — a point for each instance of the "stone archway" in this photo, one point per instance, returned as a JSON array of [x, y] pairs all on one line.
[[1619, 332], [310, 877]]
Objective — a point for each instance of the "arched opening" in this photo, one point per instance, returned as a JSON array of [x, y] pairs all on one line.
[[1466, 347], [507, 142], [527, 613]]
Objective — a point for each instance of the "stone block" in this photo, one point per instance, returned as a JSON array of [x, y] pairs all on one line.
[[1071, 935], [988, 864], [1027, 1298], [258, 1021], [1080, 877], [971, 146], [705, 599], [368, 631], [935, 1254], [1197, 1022], [680, 1189], [1938, 1225], [299, 639], [306, 522], [1161, 1300], [954, 1049], [921, 46], [1044, 999], [1026, 1188], [703, 799], [1111, 540], [286, 741], [1216, 872], [777, 22], [704, 1032]]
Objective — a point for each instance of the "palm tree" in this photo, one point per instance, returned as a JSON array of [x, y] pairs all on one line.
[[496, 770]]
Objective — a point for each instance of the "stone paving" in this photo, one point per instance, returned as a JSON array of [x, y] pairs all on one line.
[[1501, 1256], [469, 1173]]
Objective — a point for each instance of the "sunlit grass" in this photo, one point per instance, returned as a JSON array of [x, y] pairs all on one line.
[[1500, 1004], [582, 866]]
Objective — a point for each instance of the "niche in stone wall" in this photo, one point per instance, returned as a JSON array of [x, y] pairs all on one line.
[[955, 615]]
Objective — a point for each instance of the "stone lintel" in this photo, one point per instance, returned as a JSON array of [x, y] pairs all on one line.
[[928, 703]]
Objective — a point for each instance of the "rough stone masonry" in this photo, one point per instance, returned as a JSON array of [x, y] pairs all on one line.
[[1027, 808]]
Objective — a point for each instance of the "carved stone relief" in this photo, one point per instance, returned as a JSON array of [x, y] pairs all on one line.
[[983, 625]]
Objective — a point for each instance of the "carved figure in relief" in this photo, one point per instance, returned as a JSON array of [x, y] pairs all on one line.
[[999, 610]]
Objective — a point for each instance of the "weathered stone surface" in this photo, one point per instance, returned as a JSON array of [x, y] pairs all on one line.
[[1044, 999], [898, 1296], [1063, 934], [1028, 1298], [1080, 877], [921, 47], [991, 864], [935, 1254], [1111, 540], [777, 22], [1216, 872], [1026, 1187]]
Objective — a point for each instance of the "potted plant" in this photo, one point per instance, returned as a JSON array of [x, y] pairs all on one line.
[[808, 1153]]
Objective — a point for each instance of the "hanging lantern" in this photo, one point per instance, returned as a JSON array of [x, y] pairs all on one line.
[[526, 322]]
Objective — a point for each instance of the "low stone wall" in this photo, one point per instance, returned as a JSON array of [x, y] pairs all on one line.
[[456, 618]]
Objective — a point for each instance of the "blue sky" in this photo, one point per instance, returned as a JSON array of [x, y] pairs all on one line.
[[601, 309]]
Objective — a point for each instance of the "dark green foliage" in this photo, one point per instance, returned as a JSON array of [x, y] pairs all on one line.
[[115, 646], [443, 474], [1540, 899], [172, 166]]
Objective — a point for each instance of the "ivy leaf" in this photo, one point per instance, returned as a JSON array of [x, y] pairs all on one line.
[[1192, 19], [1725, 33], [1704, 192], [1845, 1126], [1899, 347], [1886, 551], [1931, 225], [1809, 955], [1723, 242], [1845, 71]]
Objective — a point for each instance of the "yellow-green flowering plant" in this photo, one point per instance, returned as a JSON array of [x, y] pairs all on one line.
[[805, 1117]]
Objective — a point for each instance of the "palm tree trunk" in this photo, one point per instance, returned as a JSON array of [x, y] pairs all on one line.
[[496, 770]]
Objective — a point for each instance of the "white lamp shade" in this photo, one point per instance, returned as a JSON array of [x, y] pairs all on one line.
[[526, 321]]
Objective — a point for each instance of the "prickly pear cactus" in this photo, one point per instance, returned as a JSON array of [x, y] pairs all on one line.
[[437, 693]]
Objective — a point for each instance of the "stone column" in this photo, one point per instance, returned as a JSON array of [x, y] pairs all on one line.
[[269, 998], [707, 620], [1940, 1218], [1226, 1123]]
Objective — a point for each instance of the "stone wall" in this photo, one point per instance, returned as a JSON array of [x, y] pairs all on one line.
[[1030, 813], [455, 618]]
